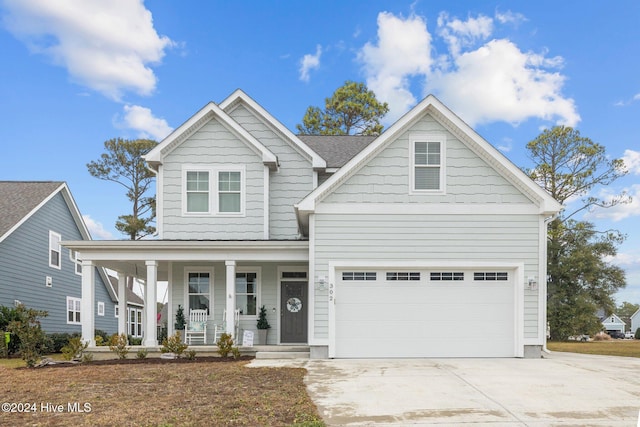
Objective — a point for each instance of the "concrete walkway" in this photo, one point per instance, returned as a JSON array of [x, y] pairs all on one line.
[[563, 389]]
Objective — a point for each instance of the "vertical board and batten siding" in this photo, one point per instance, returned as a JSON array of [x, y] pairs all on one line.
[[268, 296], [213, 145], [24, 265], [386, 178], [498, 237], [289, 184]]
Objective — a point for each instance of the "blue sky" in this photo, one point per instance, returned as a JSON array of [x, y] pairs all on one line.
[[77, 73]]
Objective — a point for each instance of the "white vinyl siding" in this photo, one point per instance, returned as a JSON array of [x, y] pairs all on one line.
[[55, 250]]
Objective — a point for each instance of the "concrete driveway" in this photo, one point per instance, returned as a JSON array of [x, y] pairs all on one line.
[[563, 389]]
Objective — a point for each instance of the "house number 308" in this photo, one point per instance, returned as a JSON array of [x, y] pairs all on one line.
[[331, 292]]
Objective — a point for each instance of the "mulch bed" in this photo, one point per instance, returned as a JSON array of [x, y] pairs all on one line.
[[146, 361]]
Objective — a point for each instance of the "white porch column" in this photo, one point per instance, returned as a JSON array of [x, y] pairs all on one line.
[[88, 301], [150, 306], [231, 295], [122, 304]]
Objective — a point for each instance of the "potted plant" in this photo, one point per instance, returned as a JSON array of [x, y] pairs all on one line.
[[263, 326], [180, 321]]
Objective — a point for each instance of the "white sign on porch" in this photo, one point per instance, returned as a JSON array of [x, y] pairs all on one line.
[[247, 339]]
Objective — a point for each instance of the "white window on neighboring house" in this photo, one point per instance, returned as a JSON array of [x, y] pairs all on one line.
[[73, 256], [100, 308], [135, 322], [428, 163], [54, 250], [73, 310], [197, 192]]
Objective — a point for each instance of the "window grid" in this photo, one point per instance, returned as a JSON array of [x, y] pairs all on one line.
[[359, 275], [199, 290], [73, 310], [247, 293], [401, 275], [229, 192], [197, 191], [494, 276], [427, 163], [447, 276], [54, 249]]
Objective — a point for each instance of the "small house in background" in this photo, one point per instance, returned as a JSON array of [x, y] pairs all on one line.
[[36, 270], [613, 323], [134, 311], [635, 321]]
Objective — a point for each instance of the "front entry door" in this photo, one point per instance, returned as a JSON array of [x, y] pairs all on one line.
[[293, 312]]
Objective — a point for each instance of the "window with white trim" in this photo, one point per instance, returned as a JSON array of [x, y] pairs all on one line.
[[213, 191], [247, 284], [54, 250], [403, 275], [359, 275], [199, 290], [73, 256], [73, 310], [100, 308], [197, 191], [491, 276], [135, 322], [446, 276], [427, 163]]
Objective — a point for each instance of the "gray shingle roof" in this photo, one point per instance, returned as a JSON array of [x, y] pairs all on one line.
[[337, 150], [18, 198], [132, 297]]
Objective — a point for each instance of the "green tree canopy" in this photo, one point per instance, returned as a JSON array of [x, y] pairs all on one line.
[[581, 280], [122, 163], [353, 109]]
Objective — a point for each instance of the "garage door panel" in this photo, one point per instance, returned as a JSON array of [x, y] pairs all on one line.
[[424, 318]]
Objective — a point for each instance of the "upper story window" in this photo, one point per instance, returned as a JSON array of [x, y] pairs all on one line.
[[427, 158], [73, 256], [215, 191], [197, 191], [54, 249]]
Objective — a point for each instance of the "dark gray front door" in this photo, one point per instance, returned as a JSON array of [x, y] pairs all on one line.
[[293, 311]]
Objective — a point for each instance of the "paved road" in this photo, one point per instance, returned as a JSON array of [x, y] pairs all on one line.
[[563, 389]]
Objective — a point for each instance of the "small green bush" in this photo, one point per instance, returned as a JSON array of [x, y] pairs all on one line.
[[134, 341], [142, 353], [74, 350], [118, 344], [225, 345], [235, 352], [191, 354], [27, 328], [637, 335], [101, 337], [173, 344], [57, 341]]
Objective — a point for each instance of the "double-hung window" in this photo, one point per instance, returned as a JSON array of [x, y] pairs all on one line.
[[427, 172], [54, 249], [213, 191], [247, 284], [73, 310]]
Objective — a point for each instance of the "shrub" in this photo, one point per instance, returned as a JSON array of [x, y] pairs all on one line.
[[602, 336], [134, 341], [235, 352], [74, 350], [225, 345], [141, 354], [118, 344], [59, 340], [7, 315], [173, 344], [28, 329], [191, 354], [101, 337], [637, 335]]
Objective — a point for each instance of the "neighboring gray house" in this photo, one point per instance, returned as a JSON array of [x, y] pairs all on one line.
[[35, 269], [133, 312], [635, 321], [356, 246], [613, 323]]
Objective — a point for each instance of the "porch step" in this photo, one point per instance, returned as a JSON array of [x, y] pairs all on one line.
[[282, 354]]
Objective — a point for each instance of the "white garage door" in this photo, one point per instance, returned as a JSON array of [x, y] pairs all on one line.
[[424, 313]]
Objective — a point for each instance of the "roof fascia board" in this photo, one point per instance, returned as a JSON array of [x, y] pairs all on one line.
[[317, 162], [198, 120]]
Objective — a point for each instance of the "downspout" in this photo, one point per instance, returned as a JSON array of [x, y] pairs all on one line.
[[544, 270]]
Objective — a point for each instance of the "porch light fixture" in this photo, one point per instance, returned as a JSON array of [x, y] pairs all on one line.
[[532, 283], [321, 283]]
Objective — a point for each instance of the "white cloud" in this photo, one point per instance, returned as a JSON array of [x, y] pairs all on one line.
[[97, 229], [510, 17], [403, 49], [620, 211], [632, 161], [310, 62], [104, 45], [142, 120], [483, 81]]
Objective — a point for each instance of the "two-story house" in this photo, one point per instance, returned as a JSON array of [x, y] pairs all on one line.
[[422, 242], [36, 270]]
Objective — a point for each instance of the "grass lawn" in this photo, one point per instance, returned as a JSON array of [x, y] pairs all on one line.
[[629, 348], [167, 394]]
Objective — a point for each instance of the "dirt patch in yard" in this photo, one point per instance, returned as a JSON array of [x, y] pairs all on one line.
[[156, 392]]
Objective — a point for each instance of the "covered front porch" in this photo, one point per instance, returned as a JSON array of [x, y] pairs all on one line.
[[217, 276]]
